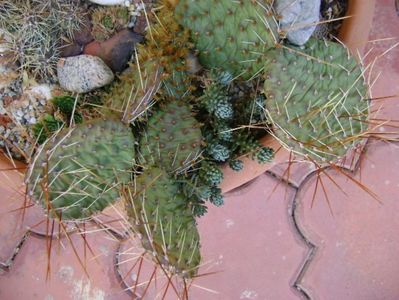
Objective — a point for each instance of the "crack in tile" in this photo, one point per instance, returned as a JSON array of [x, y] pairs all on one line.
[[8, 263], [121, 277], [313, 247]]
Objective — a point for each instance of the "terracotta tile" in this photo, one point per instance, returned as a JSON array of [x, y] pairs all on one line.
[[384, 58], [37, 222], [142, 277], [357, 245], [294, 172], [114, 217], [252, 244], [11, 201], [27, 276], [18, 213], [351, 160]]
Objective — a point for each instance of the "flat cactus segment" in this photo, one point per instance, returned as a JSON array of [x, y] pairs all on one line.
[[160, 65], [232, 35], [173, 137], [316, 99], [131, 97], [79, 171], [166, 224]]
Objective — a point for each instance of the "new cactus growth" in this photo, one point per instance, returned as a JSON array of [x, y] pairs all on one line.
[[158, 211], [316, 99], [232, 35], [225, 136], [108, 20], [35, 29], [79, 171], [173, 137]]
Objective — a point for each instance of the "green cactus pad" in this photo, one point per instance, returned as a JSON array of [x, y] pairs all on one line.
[[78, 172], [173, 137], [316, 99], [132, 95], [232, 35], [177, 84], [166, 224]]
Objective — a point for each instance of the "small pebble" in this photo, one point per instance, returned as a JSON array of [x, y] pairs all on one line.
[[83, 73], [108, 2], [297, 17]]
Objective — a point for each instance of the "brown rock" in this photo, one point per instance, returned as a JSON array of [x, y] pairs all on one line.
[[7, 100], [116, 51], [141, 24], [4, 120], [84, 36], [71, 50]]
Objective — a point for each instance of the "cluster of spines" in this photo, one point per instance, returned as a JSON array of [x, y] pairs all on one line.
[[35, 29], [108, 20], [226, 142]]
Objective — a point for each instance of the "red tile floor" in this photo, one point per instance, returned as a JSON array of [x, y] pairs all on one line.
[[315, 235]]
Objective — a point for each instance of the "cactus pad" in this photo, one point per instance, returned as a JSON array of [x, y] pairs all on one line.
[[132, 95], [232, 35], [167, 227], [173, 137], [316, 99], [79, 170], [160, 63]]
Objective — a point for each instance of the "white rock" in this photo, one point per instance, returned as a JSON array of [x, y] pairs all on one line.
[[108, 2], [42, 91], [83, 73], [298, 18]]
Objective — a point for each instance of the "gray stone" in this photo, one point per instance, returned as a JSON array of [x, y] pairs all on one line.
[[83, 73], [297, 17]]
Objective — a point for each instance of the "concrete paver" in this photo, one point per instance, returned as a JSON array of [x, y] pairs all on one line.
[[356, 244], [26, 279]]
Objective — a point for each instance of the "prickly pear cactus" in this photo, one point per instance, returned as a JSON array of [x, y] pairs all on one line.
[[159, 63], [166, 225], [316, 99], [132, 95], [173, 137], [79, 171], [232, 35]]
